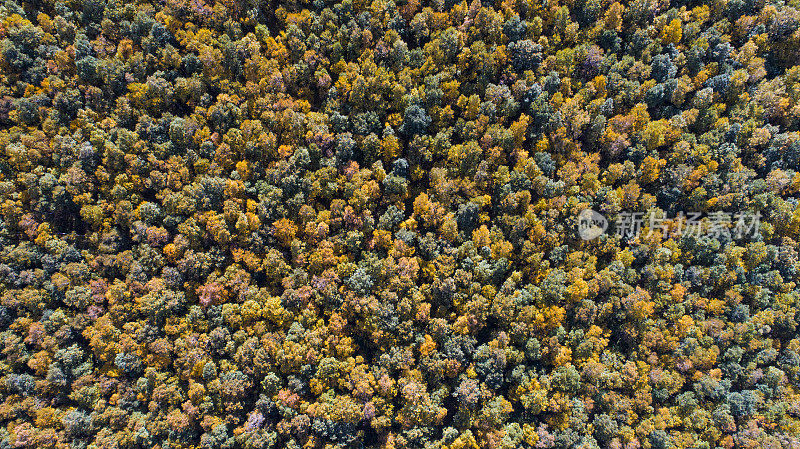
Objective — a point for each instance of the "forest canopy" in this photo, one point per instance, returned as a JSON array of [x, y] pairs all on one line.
[[313, 224]]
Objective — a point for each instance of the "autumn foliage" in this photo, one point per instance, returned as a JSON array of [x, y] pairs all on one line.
[[260, 224]]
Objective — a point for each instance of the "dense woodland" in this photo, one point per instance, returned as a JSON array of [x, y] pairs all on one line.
[[259, 224]]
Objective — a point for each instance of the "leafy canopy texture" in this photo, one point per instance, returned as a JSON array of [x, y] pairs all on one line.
[[314, 224]]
